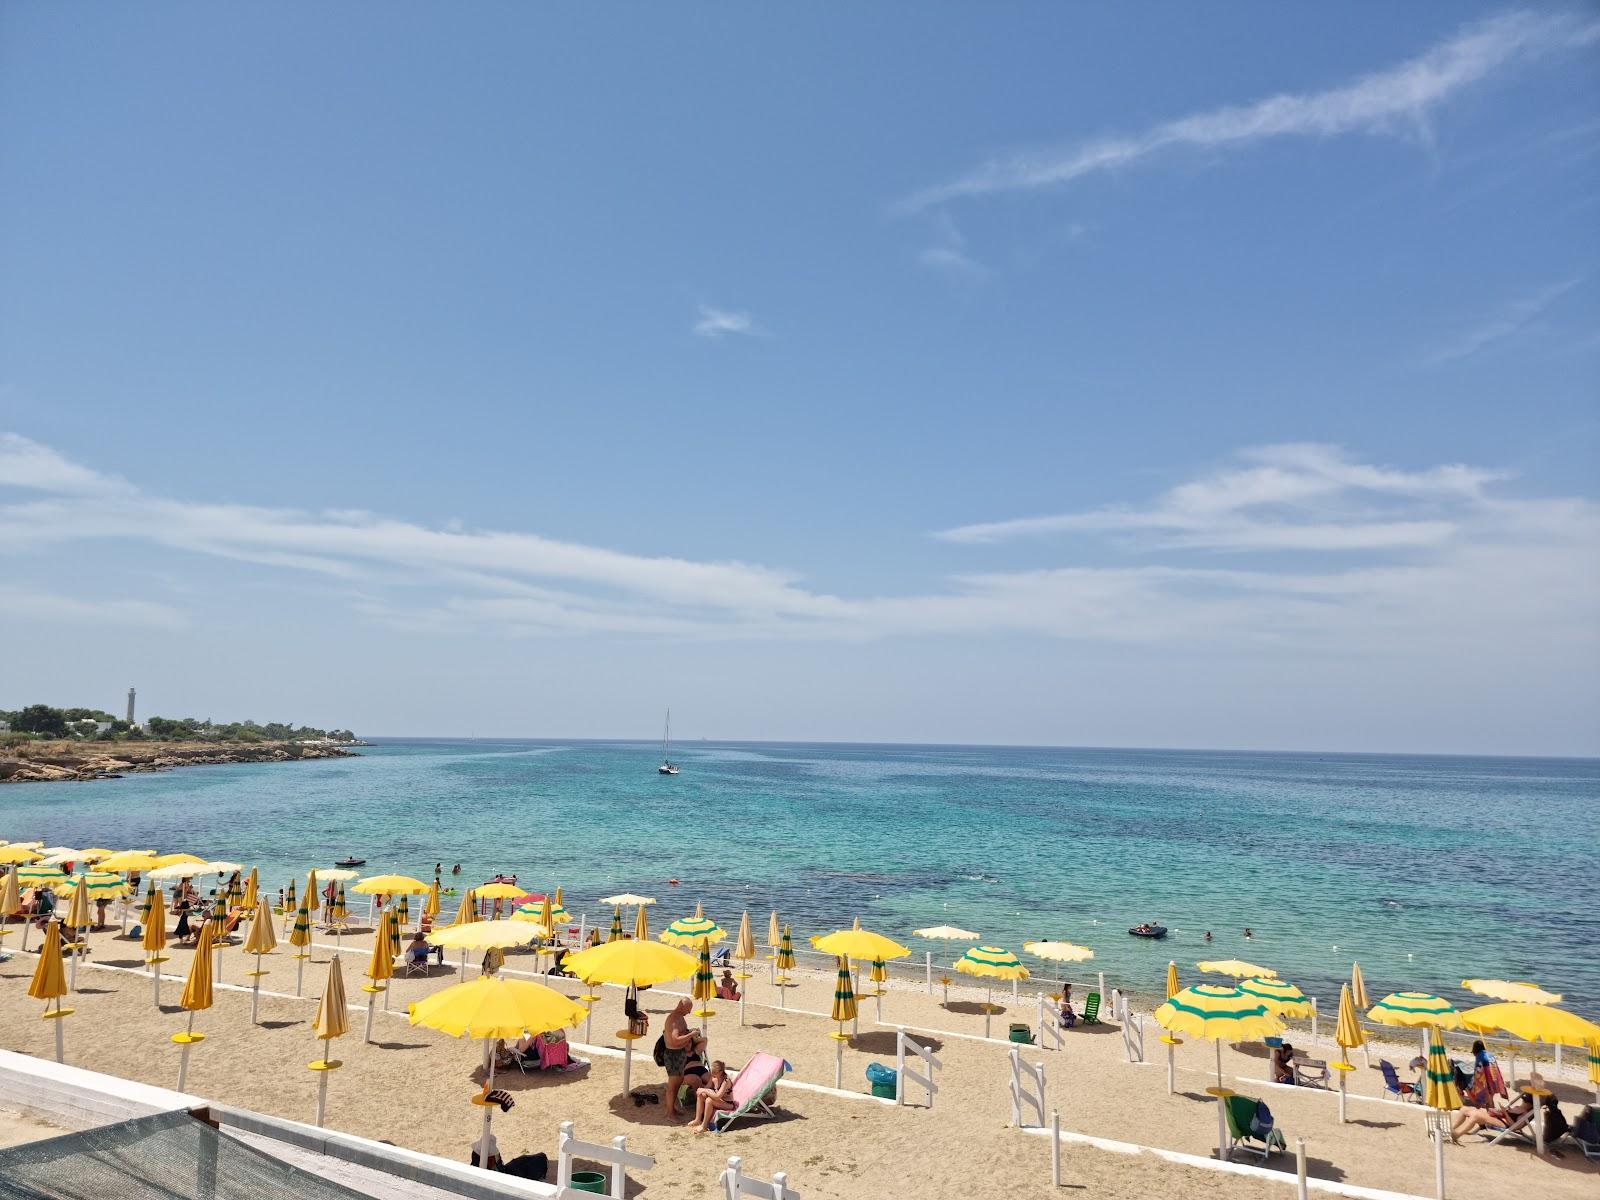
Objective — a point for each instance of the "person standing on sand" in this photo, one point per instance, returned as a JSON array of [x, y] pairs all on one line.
[[680, 1040]]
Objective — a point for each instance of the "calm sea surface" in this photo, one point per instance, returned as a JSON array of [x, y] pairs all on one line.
[[1426, 869]]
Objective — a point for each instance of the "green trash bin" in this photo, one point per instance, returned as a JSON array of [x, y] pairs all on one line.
[[589, 1181], [1022, 1033]]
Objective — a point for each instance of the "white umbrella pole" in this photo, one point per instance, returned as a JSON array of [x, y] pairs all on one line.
[[183, 1055], [855, 1021], [155, 976], [1313, 1020], [927, 965], [488, 1109], [1172, 1069], [1341, 1096], [463, 962], [988, 1003], [1217, 1042], [879, 998], [322, 1090], [255, 990], [218, 971], [61, 1036], [1222, 1128], [627, 1066], [372, 1000], [1438, 1163], [300, 970], [742, 991], [387, 987], [838, 1064], [73, 983]]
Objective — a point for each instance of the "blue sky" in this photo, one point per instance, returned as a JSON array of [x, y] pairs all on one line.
[[995, 373]]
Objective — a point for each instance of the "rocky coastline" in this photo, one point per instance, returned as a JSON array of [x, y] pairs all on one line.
[[53, 762]]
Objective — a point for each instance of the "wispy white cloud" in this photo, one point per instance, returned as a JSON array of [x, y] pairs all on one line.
[[1398, 100], [18, 604], [1296, 496], [1433, 557], [948, 251], [1513, 318], [717, 323]]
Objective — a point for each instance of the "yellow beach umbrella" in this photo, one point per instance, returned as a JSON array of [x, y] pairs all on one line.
[[498, 934], [616, 925], [990, 963], [430, 906], [10, 900], [1236, 968], [1518, 993], [880, 971], [1358, 987], [14, 853], [1279, 996], [100, 885], [1218, 1012], [1532, 1023], [704, 987], [786, 950], [1348, 1033], [49, 983], [154, 937], [547, 916], [691, 931], [174, 860], [641, 925], [259, 939], [630, 962], [197, 996], [845, 1007], [744, 946], [1172, 980], [497, 891], [1415, 1010], [467, 913], [493, 1007], [252, 891], [392, 885], [312, 901], [380, 967], [126, 861], [860, 944], [332, 1020], [774, 931], [300, 938], [78, 920]]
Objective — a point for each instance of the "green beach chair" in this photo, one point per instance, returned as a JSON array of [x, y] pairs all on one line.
[[1091, 1009], [1242, 1133]]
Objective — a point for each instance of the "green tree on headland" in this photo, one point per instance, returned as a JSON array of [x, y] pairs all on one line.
[[43, 721]]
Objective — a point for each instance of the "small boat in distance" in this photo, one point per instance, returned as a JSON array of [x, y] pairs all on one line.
[[666, 767], [351, 862], [1148, 930]]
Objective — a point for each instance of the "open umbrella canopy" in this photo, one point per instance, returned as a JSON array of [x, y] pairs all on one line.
[[535, 913], [1055, 951], [129, 860], [630, 961], [628, 898], [1348, 1032], [18, 854], [498, 891], [391, 885], [49, 980], [176, 870], [951, 933], [991, 962], [1414, 1009], [1518, 993], [173, 860], [860, 943], [691, 931], [1218, 1012], [493, 1006], [1439, 1087], [1279, 996], [337, 874], [1236, 968], [483, 935], [99, 885], [1532, 1023], [333, 1013]]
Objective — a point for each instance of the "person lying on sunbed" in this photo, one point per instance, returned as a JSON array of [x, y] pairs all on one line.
[[716, 1096], [1470, 1119]]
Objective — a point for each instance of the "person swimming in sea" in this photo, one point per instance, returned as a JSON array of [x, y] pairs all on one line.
[[456, 870], [1208, 935], [1247, 933]]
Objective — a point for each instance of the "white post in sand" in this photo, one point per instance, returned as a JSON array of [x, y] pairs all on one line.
[[488, 1109], [1102, 976], [988, 1003], [742, 991], [1222, 1127], [1313, 1020], [1055, 1147], [927, 959], [1341, 1096], [855, 1021], [183, 1052], [1014, 993], [72, 983], [155, 975], [838, 1064], [627, 1065], [1300, 1168], [255, 990], [1438, 1162]]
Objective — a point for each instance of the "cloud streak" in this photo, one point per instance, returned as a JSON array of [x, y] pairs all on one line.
[[1512, 319], [1430, 557], [1398, 100], [717, 323]]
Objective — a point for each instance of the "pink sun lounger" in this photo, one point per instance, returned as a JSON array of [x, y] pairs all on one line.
[[751, 1085]]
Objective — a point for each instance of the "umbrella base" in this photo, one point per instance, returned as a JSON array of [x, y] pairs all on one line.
[[187, 1039]]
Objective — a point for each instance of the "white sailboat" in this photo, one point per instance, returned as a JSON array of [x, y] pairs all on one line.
[[667, 767]]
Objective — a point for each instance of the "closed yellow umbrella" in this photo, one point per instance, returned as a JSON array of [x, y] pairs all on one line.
[[300, 938], [332, 1020], [259, 940], [844, 1009], [154, 937], [1358, 987], [705, 984], [197, 996], [430, 906], [49, 983], [880, 971], [10, 900], [493, 1007], [547, 917], [313, 901], [1172, 980], [467, 913], [786, 950], [380, 967], [1439, 1088], [78, 920], [1348, 1033], [774, 931], [252, 891], [641, 925]]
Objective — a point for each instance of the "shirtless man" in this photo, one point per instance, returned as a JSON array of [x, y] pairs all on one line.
[[680, 1041]]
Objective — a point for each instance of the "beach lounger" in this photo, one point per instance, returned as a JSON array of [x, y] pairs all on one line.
[[757, 1079], [1392, 1086], [1519, 1132], [1245, 1131], [1091, 1009], [1586, 1132]]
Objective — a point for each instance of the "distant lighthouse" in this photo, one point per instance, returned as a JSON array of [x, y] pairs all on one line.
[[131, 721]]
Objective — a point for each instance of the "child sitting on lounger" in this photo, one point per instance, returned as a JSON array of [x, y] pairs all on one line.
[[727, 989], [715, 1097]]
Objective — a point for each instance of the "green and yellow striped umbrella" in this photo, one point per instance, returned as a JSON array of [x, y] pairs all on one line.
[[1172, 980], [704, 988], [1279, 996], [147, 905], [880, 972], [616, 924], [991, 962], [844, 996], [1594, 1065], [1439, 1090], [219, 917], [1218, 1012], [289, 900], [313, 901], [235, 894], [49, 877], [99, 885], [402, 913], [300, 934], [786, 951], [340, 912], [1411, 1010], [392, 918], [1348, 1033], [691, 931]]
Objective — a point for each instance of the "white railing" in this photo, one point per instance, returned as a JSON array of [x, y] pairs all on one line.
[[737, 1184], [1027, 1092], [903, 1074], [617, 1155], [1132, 1034], [1049, 1029]]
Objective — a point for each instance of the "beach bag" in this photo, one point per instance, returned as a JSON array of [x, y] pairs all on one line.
[[660, 1053], [1261, 1121]]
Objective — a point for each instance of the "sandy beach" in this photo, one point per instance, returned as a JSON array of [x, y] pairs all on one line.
[[412, 1086]]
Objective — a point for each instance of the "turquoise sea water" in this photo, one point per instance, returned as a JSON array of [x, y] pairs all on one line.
[[1426, 869]]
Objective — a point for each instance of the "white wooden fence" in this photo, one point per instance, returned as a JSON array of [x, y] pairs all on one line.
[[1049, 1028], [904, 1074], [1132, 1033], [617, 1155], [1027, 1093], [737, 1184]]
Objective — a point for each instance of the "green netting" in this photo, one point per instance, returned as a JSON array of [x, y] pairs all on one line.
[[169, 1156]]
